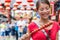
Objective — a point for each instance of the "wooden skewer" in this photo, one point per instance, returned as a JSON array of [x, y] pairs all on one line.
[[44, 26]]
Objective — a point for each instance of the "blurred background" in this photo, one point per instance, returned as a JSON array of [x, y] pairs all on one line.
[[15, 15]]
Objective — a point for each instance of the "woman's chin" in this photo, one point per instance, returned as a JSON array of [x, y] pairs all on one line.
[[45, 18]]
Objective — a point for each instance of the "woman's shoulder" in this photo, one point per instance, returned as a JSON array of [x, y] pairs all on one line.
[[31, 26], [55, 23], [54, 26], [34, 22]]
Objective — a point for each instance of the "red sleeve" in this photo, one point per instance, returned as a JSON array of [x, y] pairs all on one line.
[[54, 31], [31, 26]]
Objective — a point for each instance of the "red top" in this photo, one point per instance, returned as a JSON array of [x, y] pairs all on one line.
[[59, 25], [39, 35]]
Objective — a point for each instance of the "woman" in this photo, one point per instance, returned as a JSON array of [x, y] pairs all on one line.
[[48, 33]]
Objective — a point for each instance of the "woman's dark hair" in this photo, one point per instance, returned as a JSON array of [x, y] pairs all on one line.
[[30, 20], [41, 1]]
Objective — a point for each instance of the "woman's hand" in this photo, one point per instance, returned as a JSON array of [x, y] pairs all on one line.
[[25, 37]]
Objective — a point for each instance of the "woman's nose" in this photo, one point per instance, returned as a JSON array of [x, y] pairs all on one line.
[[45, 11]]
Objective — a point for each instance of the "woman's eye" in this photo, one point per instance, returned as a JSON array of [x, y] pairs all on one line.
[[47, 8], [41, 9]]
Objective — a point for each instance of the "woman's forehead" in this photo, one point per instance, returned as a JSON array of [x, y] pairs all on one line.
[[43, 5]]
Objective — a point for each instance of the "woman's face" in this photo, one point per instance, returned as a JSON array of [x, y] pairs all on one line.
[[44, 10]]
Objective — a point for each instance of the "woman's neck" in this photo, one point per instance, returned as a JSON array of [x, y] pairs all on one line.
[[44, 21]]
